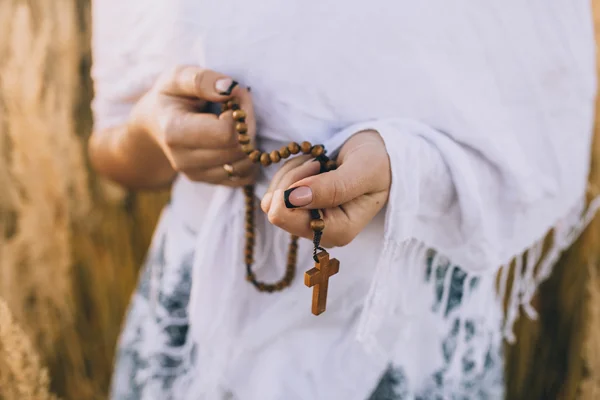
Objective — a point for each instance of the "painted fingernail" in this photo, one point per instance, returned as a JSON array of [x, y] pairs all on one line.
[[297, 197], [225, 86]]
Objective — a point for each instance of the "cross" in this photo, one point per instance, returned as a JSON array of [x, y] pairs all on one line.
[[318, 279]]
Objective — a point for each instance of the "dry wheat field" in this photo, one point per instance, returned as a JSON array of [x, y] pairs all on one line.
[[71, 244]]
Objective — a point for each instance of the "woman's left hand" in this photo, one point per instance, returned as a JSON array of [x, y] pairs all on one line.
[[350, 196]]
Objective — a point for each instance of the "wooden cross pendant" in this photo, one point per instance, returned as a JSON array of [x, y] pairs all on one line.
[[318, 279]]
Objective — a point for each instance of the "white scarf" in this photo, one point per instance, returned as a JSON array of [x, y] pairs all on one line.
[[486, 111]]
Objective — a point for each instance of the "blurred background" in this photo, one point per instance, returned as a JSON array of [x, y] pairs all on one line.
[[71, 244]]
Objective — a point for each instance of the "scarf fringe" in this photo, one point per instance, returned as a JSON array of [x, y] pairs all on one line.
[[388, 309]]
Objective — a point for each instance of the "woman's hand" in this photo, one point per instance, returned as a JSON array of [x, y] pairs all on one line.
[[350, 196], [200, 145]]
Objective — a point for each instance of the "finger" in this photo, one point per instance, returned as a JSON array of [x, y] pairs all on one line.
[[339, 228], [287, 167], [342, 224], [184, 129], [291, 172], [362, 169], [197, 82], [196, 159], [241, 169], [239, 182], [328, 190]]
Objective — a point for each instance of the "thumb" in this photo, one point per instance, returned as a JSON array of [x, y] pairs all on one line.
[[328, 190]]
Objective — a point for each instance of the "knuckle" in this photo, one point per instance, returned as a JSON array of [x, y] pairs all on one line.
[[337, 192], [198, 175], [181, 164], [168, 76], [275, 218], [238, 182], [227, 137], [194, 176], [199, 78], [170, 125]]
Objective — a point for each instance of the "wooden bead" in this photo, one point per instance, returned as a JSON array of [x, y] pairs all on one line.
[[317, 225], [255, 156], [305, 147], [248, 252], [331, 165], [265, 159], [239, 115], [317, 151], [244, 138], [230, 104], [294, 148], [247, 148], [241, 127], [275, 157], [284, 152], [249, 235]]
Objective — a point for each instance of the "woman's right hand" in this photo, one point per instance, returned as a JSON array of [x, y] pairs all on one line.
[[198, 144]]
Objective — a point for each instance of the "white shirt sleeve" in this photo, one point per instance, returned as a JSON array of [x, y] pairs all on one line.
[[127, 55]]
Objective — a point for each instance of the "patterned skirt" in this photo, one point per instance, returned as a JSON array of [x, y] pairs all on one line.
[[157, 320]]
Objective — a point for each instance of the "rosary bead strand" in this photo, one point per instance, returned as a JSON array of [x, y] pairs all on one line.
[[257, 156]]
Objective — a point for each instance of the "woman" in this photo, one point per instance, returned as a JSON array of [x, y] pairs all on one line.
[[461, 135]]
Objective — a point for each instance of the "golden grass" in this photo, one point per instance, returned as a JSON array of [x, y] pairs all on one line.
[[70, 244], [21, 374]]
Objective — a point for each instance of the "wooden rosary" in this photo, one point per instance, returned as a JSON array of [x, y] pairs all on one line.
[[317, 277]]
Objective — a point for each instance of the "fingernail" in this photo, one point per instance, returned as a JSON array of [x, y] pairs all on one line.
[[297, 197], [225, 86]]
